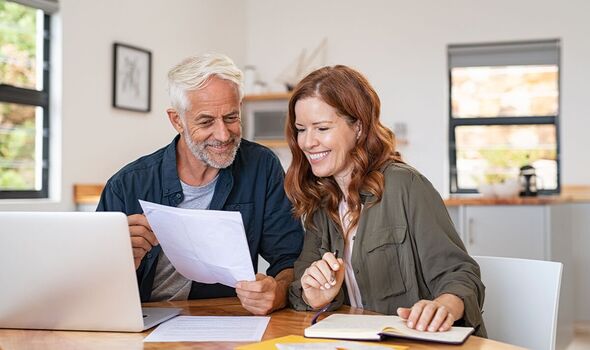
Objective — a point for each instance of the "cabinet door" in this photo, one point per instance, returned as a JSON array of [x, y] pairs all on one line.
[[514, 231]]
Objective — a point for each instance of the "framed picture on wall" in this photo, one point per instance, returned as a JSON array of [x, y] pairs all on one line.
[[132, 78]]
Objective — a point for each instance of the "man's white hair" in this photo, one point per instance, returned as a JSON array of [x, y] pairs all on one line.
[[194, 72]]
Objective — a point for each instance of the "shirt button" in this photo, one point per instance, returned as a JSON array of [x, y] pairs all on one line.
[[178, 195], [149, 255], [356, 271]]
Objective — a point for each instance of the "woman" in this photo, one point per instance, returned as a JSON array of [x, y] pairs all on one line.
[[399, 250]]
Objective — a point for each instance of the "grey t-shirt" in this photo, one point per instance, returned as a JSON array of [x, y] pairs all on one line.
[[168, 283]]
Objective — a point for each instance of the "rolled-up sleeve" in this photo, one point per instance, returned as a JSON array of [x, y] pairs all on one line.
[[445, 263]]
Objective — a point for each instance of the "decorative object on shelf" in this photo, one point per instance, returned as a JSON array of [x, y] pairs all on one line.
[[528, 181], [303, 65], [132, 70], [400, 130], [250, 78]]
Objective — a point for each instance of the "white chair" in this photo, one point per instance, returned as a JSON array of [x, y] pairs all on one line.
[[521, 300]]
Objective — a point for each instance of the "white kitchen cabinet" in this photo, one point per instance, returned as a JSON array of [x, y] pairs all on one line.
[[541, 232], [507, 231]]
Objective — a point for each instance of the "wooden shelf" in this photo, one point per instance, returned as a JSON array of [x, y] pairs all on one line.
[[273, 143], [268, 97], [87, 194]]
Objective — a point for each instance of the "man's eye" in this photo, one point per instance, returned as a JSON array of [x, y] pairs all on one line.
[[323, 129], [205, 123], [231, 119]]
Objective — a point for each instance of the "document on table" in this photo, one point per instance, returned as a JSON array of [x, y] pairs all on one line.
[[207, 246], [210, 328]]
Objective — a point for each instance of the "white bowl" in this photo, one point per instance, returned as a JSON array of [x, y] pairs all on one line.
[[486, 190], [507, 189]]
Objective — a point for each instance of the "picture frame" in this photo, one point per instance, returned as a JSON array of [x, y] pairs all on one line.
[[132, 78]]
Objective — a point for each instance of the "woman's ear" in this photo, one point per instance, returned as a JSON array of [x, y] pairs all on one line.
[[358, 129]]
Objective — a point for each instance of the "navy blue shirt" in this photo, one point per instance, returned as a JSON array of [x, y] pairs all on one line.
[[252, 185]]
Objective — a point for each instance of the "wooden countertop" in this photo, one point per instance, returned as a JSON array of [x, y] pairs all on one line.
[[90, 194], [570, 194]]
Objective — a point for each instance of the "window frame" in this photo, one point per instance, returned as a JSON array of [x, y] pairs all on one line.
[[501, 120], [35, 98]]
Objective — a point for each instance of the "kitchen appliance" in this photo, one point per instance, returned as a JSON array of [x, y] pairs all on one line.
[[528, 181]]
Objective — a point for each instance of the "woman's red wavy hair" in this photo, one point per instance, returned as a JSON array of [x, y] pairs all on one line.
[[353, 98]]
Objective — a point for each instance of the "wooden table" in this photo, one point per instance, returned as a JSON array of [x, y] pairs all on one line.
[[284, 322]]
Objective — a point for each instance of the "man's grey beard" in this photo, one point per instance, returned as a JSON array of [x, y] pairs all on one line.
[[199, 150]]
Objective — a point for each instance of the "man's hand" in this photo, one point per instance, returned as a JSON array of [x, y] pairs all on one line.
[[436, 315], [142, 237], [266, 294]]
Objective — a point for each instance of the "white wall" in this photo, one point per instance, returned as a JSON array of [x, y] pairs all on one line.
[[401, 48], [96, 140], [399, 45]]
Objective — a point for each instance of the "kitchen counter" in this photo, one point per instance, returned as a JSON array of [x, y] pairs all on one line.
[[570, 194]]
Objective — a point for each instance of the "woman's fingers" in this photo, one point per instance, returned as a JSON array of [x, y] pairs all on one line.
[[447, 324], [415, 314], [427, 315], [404, 312], [331, 260], [438, 320], [327, 272], [307, 281], [320, 272]]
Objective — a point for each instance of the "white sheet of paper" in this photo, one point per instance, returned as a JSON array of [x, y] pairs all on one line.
[[207, 246], [210, 328]]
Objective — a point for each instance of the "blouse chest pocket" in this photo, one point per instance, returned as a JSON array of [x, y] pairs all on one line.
[[383, 262]]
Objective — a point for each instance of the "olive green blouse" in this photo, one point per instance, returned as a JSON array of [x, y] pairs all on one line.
[[406, 249]]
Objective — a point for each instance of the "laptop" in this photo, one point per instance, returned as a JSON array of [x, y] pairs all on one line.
[[71, 271]]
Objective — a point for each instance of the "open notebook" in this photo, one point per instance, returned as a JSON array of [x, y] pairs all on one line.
[[375, 327]]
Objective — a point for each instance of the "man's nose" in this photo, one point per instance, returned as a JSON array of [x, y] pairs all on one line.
[[221, 132]]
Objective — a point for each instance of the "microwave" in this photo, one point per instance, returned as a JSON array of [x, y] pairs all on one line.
[[264, 119]]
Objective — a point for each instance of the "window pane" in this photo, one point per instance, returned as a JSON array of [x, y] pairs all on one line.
[[21, 45], [494, 153], [20, 147], [509, 91]]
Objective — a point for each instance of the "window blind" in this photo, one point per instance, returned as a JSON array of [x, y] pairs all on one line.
[[504, 54], [48, 6]]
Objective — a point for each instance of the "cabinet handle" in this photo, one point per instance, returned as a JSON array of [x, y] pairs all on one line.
[[470, 238]]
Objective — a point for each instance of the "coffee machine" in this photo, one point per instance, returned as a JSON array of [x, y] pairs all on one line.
[[528, 181]]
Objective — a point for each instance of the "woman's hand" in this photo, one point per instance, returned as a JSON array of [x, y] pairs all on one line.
[[436, 315], [322, 280]]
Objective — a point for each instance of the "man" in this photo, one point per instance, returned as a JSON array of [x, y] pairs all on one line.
[[208, 166]]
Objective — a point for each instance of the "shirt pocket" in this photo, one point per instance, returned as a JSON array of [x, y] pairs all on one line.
[[383, 262]]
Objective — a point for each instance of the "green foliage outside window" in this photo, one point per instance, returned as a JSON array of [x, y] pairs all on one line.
[[18, 49]]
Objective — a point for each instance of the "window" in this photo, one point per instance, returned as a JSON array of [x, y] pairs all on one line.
[[504, 109], [24, 97]]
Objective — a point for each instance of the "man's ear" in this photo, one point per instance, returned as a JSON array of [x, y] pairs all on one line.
[[175, 120]]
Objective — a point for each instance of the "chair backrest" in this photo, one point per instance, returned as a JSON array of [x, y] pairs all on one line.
[[521, 300]]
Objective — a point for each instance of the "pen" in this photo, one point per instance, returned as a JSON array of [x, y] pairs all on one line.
[[333, 281]]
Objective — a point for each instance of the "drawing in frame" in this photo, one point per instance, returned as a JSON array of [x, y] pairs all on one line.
[[132, 78]]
